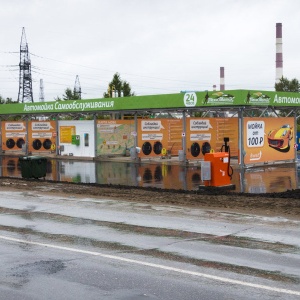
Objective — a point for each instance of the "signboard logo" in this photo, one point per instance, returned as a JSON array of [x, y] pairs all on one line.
[[287, 100], [257, 98], [255, 156], [218, 98], [190, 99]]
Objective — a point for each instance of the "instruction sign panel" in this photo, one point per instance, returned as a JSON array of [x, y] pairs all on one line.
[[152, 136], [158, 136], [255, 133], [207, 134], [13, 135], [41, 135], [65, 134], [200, 136]]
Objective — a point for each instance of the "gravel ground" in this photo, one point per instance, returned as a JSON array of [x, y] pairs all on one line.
[[286, 204]]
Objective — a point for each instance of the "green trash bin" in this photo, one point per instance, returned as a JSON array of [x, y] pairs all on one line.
[[33, 166]]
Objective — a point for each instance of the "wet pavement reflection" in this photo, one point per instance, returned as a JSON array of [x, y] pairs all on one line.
[[262, 179]]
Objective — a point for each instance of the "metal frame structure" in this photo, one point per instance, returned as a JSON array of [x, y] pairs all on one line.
[[138, 108], [25, 79]]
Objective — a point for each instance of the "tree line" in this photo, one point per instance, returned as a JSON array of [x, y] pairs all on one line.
[[116, 88], [121, 88]]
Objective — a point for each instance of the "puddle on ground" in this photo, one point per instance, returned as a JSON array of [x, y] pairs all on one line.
[[262, 179]]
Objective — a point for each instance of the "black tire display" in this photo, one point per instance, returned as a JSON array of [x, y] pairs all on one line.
[[37, 144], [147, 148], [195, 149], [157, 147], [206, 148], [47, 144], [20, 143], [10, 143]]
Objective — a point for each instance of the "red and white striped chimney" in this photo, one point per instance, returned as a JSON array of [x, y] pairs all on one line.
[[279, 61], [222, 80]]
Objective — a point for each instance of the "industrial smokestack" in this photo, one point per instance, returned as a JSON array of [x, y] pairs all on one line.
[[279, 61], [214, 87], [222, 81]]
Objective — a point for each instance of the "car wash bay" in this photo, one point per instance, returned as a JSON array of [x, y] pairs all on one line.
[[260, 126]]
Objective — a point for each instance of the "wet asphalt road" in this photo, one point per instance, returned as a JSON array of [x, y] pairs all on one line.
[[60, 247]]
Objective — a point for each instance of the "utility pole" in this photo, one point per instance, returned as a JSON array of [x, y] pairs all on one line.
[[25, 80], [77, 87], [42, 96]]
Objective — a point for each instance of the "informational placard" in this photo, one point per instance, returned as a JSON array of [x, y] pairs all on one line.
[[65, 134], [207, 134], [200, 136], [13, 135], [41, 136], [114, 136], [255, 134], [152, 136], [268, 140], [156, 136]]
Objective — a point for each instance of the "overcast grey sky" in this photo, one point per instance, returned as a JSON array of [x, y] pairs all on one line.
[[158, 46]]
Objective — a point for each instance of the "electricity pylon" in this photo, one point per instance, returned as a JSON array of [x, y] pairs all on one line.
[[77, 88], [25, 79], [42, 96]]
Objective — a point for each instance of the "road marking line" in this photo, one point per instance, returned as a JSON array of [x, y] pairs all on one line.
[[157, 266]]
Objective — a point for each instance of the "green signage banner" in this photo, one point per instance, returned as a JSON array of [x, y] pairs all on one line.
[[186, 100]]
